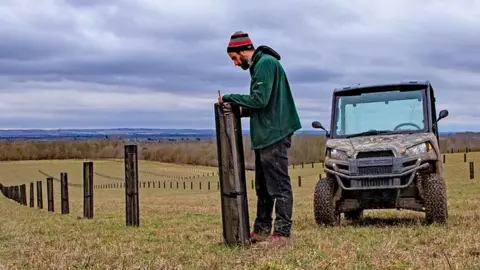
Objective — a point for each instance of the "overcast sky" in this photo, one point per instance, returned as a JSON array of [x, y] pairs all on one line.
[[159, 64]]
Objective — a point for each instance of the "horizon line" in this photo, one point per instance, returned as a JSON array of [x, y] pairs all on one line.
[[151, 128]]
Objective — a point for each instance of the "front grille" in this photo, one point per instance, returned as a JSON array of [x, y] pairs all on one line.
[[386, 153], [376, 182], [375, 170], [370, 183]]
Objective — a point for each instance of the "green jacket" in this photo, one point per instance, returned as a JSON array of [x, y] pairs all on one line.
[[273, 114]]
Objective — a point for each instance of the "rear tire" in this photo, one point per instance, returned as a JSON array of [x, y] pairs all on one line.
[[436, 209], [323, 205]]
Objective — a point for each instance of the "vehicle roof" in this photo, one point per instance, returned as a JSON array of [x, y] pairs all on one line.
[[386, 85]]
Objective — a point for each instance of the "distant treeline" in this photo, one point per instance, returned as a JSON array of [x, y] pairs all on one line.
[[305, 148]]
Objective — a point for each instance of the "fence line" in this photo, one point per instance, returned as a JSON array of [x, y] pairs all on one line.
[[131, 184]]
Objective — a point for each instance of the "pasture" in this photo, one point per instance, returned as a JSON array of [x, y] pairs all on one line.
[[180, 228]]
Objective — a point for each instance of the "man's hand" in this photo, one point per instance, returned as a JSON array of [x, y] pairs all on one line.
[[220, 99]]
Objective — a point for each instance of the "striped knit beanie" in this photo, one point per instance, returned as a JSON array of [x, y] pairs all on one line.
[[239, 41]]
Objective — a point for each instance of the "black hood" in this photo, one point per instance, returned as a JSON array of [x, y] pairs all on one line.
[[267, 50]]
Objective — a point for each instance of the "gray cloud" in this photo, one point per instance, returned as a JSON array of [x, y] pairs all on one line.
[[129, 48]]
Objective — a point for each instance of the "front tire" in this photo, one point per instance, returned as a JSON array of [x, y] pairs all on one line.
[[323, 205], [436, 209]]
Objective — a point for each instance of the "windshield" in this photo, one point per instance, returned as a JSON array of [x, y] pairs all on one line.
[[388, 112]]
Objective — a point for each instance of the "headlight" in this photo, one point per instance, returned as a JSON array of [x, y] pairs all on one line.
[[418, 149], [338, 154]]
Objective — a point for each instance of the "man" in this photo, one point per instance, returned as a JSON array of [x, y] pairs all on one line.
[[273, 120]]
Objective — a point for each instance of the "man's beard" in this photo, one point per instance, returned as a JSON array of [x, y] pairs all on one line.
[[245, 65]]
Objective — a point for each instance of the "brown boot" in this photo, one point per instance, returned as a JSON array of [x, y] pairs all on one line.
[[258, 237], [275, 240]]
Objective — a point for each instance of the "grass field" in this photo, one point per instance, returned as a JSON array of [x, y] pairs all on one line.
[[181, 229]]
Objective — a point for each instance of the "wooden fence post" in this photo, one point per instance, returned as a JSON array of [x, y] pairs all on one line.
[[23, 192], [17, 194], [32, 197], [50, 204], [131, 184], [65, 206], [231, 171], [39, 195], [472, 170], [17, 197], [88, 189]]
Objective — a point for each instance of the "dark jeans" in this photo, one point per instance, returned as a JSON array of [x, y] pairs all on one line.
[[272, 183]]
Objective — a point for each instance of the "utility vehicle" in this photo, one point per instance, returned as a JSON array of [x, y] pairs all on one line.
[[382, 152]]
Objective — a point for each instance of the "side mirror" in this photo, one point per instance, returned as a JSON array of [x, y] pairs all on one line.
[[318, 125], [442, 114]]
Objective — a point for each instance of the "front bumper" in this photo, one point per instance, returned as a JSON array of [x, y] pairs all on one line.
[[377, 172]]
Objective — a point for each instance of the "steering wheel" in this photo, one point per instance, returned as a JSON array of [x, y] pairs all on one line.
[[406, 124]]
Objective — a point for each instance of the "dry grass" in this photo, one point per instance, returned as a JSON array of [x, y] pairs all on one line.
[[181, 229]]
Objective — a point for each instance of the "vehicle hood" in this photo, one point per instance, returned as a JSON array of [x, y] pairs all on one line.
[[398, 143]]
